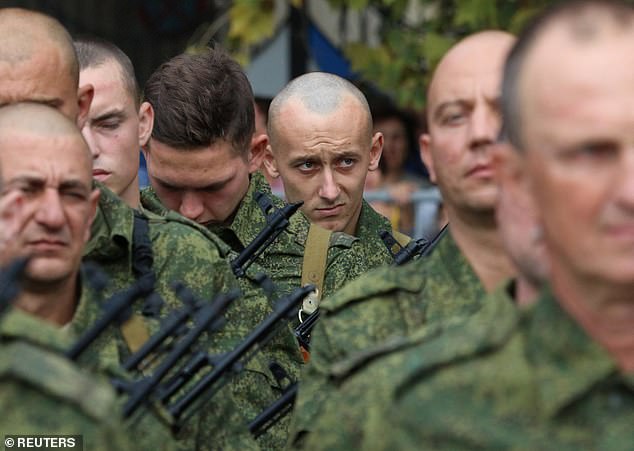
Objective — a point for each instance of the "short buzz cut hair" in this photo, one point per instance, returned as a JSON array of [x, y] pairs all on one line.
[[199, 99], [621, 15], [93, 52], [319, 92]]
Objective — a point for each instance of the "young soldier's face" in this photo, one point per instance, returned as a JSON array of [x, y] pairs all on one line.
[[205, 184], [115, 129], [323, 160]]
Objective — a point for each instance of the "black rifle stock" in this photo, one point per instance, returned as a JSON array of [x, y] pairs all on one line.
[[115, 308], [277, 219], [228, 361], [204, 319]]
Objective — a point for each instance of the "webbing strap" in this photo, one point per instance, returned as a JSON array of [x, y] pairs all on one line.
[[314, 265], [134, 330]]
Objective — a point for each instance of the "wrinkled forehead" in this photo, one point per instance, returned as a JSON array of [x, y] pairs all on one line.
[[22, 150]]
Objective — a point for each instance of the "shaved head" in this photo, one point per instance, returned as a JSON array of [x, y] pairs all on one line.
[[23, 32], [318, 92], [34, 121], [485, 51]]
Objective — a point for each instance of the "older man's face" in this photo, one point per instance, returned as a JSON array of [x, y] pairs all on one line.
[[578, 131], [464, 121], [53, 178]]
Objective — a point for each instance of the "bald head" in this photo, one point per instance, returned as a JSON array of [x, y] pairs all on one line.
[[38, 64], [480, 55], [320, 93], [23, 33], [34, 122]]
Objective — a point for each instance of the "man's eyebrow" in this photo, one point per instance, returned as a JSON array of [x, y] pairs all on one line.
[[74, 184], [112, 114], [443, 106]]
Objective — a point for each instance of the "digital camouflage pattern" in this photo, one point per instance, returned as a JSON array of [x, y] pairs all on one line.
[[369, 227], [508, 379], [182, 253], [365, 379], [282, 261], [41, 392], [385, 303]]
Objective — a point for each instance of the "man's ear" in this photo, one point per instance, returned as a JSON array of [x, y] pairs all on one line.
[[257, 151], [146, 122], [94, 201], [376, 151], [84, 99], [270, 165], [424, 144]]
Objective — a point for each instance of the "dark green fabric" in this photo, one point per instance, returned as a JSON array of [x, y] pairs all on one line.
[[506, 380], [384, 304]]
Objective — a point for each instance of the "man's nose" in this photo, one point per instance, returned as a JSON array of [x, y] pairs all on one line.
[[50, 212], [485, 126], [329, 188], [89, 136], [625, 180], [191, 206]]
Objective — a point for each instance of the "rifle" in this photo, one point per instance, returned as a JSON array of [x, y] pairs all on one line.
[[277, 219], [420, 247], [274, 412], [116, 309], [10, 281], [413, 249], [229, 361], [206, 318]]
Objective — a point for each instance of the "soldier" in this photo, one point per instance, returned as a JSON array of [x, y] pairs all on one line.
[[322, 146], [29, 40], [52, 205], [559, 375], [468, 259]]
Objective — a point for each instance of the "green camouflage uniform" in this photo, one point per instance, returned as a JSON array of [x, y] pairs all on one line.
[[385, 303], [43, 393], [282, 261], [181, 253], [363, 380], [368, 231], [508, 379]]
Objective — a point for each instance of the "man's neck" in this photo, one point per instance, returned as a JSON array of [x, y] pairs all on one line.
[[132, 194], [477, 238], [605, 312], [54, 303]]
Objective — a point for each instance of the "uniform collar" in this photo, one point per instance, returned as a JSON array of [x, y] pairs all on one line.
[[111, 232]]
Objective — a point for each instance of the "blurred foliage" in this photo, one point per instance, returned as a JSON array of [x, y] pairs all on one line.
[[410, 44]]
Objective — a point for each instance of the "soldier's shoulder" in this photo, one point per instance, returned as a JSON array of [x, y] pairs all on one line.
[[379, 282], [54, 377]]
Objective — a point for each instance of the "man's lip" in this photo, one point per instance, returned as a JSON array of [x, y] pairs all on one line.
[[46, 244], [481, 170], [329, 211], [100, 174]]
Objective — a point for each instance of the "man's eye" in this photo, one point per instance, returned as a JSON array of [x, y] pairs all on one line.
[[109, 125], [347, 162], [75, 195], [306, 166], [452, 118]]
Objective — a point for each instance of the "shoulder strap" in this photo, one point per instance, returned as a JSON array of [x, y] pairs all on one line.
[[401, 238], [314, 264], [134, 330]]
